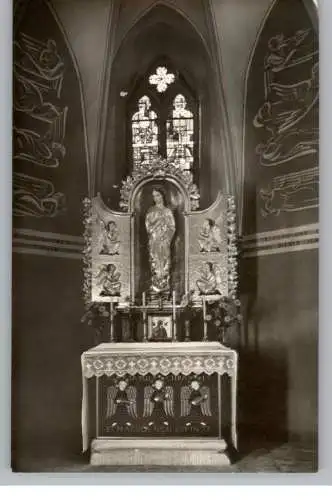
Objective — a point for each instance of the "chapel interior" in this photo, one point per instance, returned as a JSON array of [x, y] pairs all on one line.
[[246, 74]]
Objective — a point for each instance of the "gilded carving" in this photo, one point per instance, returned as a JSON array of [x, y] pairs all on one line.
[[109, 238], [160, 226], [210, 280], [210, 239], [109, 279], [161, 169]]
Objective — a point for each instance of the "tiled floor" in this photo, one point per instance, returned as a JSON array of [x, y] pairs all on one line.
[[283, 458]]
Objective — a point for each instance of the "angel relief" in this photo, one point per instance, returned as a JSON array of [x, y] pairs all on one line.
[[210, 239], [195, 404], [158, 405], [109, 238], [109, 279], [121, 405], [210, 279]]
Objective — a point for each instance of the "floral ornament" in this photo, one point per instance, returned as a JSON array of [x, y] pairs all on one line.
[[96, 314], [223, 314], [232, 248], [161, 79], [87, 264], [158, 168]]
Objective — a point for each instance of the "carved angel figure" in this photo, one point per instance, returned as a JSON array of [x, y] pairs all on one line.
[[109, 238], [210, 279], [109, 279], [210, 236], [158, 403], [195, 403], [121, 403]]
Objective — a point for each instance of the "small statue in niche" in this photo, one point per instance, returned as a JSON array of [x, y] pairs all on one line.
[[109, 279], [109, 239], [160, 226], [121, 404], [195, 403], [209, 281], [210, 236], [158, 404]]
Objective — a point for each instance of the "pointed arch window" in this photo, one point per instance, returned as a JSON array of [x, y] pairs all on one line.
[[163, 116]]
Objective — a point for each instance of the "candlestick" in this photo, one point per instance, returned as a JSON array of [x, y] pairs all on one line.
[[112, 339], [187, 330], [205, 336], [145, 329], [174, 317]]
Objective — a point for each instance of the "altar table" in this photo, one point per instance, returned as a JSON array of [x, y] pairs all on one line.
[[152, 359]]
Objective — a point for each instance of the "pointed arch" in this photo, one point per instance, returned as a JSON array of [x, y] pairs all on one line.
[[159, 31]]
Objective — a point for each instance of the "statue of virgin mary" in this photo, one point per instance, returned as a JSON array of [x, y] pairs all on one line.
[[160, 226]]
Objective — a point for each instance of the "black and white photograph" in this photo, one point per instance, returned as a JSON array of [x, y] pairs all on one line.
[[165, 236]]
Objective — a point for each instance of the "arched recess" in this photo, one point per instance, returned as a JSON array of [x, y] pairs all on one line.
[[280, 145], [51, 162], [162, 32]]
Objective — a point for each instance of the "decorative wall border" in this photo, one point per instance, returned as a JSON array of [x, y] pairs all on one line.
[[49, 244], [287, 240]]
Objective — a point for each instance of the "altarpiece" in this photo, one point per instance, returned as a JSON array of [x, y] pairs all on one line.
[[159, 269]]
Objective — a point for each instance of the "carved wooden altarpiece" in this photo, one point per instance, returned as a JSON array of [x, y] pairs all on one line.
[[158, 263]]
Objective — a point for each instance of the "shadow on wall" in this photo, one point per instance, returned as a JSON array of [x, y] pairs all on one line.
[[279, 289], [50, 181]]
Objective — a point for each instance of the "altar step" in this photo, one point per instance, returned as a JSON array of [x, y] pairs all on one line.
[[159, 452]]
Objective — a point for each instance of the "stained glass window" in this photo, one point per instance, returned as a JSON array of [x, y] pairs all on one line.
[[163, 115], [180, 134], [144, 131]]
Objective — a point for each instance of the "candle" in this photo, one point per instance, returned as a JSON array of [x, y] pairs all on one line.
[[145, 330], [204, 320], [174, 318]]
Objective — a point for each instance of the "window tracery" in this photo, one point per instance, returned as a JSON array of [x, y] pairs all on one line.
[[164, 120]]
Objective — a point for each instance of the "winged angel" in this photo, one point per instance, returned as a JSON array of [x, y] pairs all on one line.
[[121, 404], [195, 403], [158, 403], [210, 237], [109, 237]]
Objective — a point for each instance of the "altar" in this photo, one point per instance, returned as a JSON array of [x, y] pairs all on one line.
[[178, 375], [161, 279]]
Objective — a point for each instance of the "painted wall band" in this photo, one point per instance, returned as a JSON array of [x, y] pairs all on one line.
[[29, 241], [50, 244], [295, 239]]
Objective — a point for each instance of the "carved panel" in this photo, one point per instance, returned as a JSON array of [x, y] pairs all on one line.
[[208, 250], [110, 247]]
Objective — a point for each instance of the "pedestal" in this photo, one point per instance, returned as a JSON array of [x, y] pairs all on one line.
[[159, 452]]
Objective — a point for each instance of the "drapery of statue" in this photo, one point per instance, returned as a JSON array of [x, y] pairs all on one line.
[[160, 226], [159, 244]]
